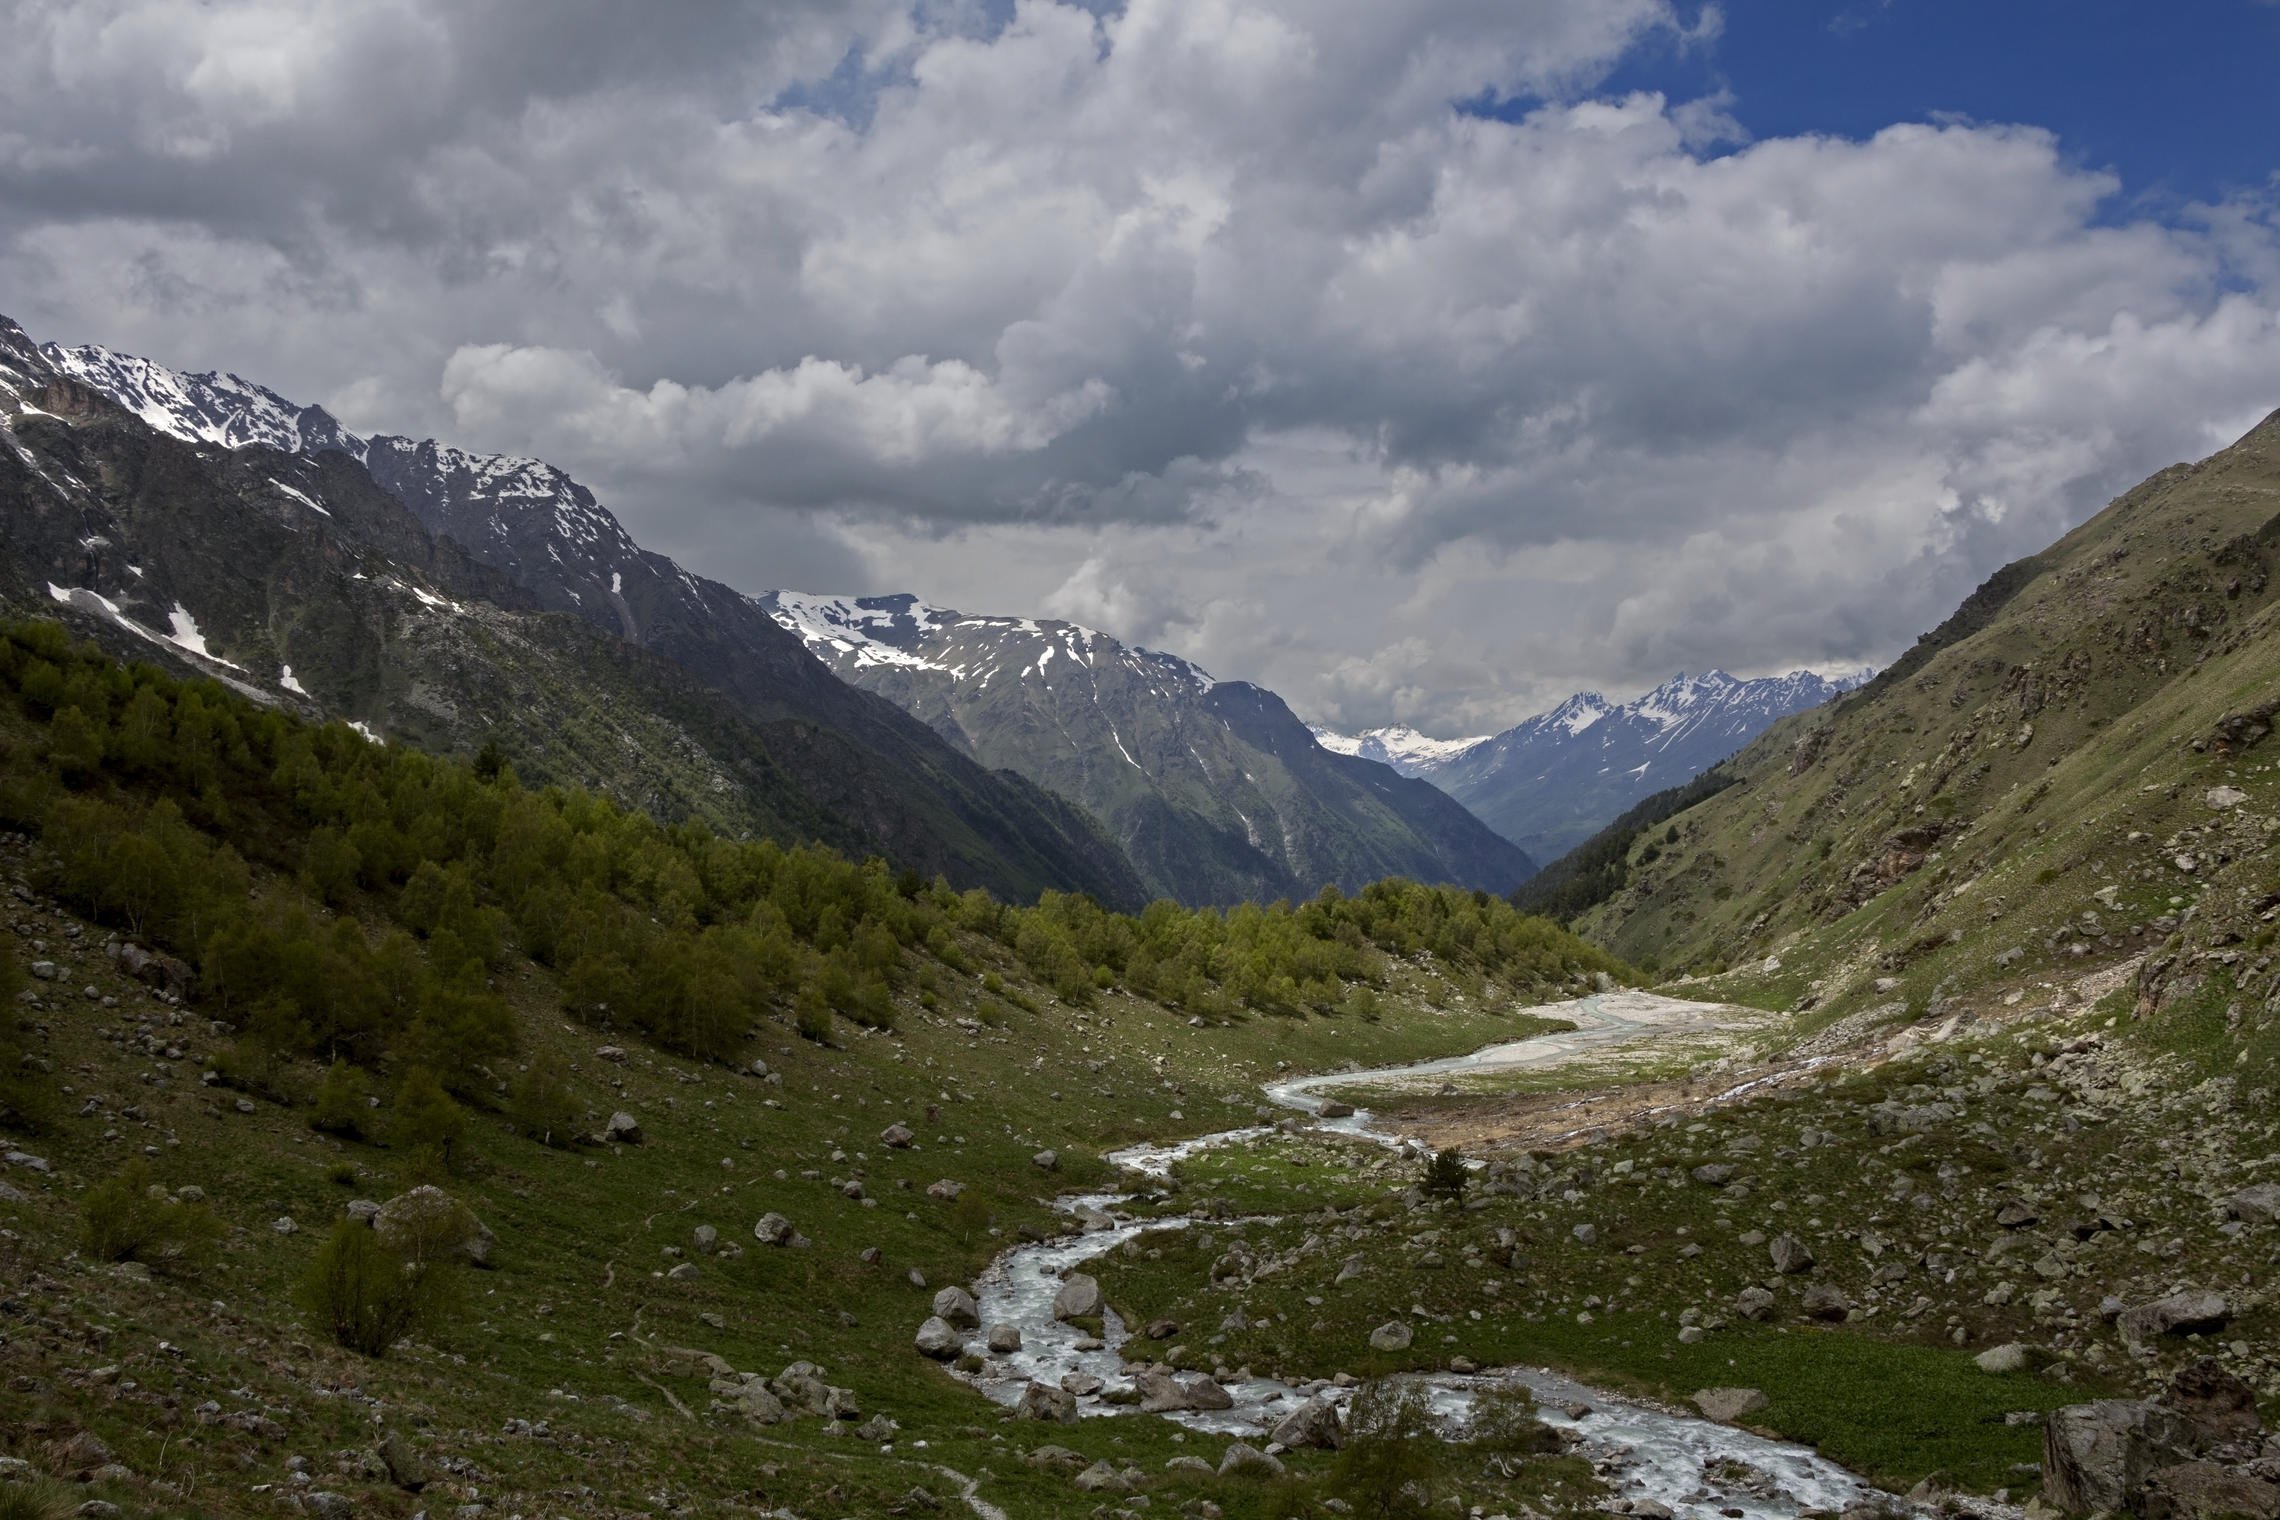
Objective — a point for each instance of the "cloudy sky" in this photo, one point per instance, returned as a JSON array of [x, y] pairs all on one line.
[[1424, 361]]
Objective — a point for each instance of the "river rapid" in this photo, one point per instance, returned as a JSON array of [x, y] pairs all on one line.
[[1695, 1468]]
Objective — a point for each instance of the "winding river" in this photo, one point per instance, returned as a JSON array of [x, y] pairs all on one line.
[[1697, 1469]]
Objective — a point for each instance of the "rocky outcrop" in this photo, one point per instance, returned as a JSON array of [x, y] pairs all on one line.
[[2194, 1453]]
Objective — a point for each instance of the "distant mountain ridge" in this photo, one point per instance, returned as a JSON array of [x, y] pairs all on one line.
[[1214, 788], [1552, 781], [501, 535]]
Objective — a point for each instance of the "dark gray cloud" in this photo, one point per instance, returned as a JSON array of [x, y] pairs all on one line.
[[1213, 321]]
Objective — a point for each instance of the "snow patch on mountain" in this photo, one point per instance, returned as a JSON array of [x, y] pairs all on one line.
[[856, 632], [1398, 745], [209, 408]]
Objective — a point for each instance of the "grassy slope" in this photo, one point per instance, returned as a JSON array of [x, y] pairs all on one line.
[[566, 1329], [2051, 752]]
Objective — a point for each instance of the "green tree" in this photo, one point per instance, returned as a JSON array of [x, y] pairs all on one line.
[[1446, 1175], [1390, 1465], [541, 1104], [424, 1119], [344, 1102]]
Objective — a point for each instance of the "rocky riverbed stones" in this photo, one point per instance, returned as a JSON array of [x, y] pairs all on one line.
[[957, 1306]]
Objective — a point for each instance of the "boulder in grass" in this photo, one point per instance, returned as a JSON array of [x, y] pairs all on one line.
[[1042, 1401], [1313, 1423], [1393, 1335], [775, 1230], [622, 1129], [427, 1222], [1727, 1405], [1242, 1461], [939, 1339], [896, 1137], [1790, 1255], [958, 1307]]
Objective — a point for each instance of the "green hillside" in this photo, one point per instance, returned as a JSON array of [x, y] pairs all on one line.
[[358, 968]]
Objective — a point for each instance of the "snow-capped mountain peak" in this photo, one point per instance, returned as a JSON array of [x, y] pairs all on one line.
[[852, 633], [1547, 782], [209, 408], [1398, 745]]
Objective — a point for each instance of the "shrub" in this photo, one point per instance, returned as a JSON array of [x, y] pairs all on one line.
[[811, 1015], [344, 1103], [26, 1099], [1445, 1174], [368, 1294], [131, 1217]]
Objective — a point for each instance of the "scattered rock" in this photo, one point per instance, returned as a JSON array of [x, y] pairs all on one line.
[[1754, 1303], [958, 1307], [1042, 1401], [1313, 1423], [939, 1339], [1790, 1255], [1393, 1335], [2259, 1204], [1713, 1174], [1826, 1303], [775, 1230], [945, 1190], [1004, 1339], [1049, 1161], [2002, 1359], [1333, 1109], [1101, 1478], [622, 1129], [896, 1137]]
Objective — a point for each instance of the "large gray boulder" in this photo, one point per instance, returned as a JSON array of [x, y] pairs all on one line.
[[940, 1339], [1079, 1298], [2208, 1491], [1313, 1423], [1727, 1405], [2191, 1312], [1042, 1401], [2257, 1204], [430, 1224], [958, 1307], [1393, 1335], [1790, 1255], [2097, 1456]]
